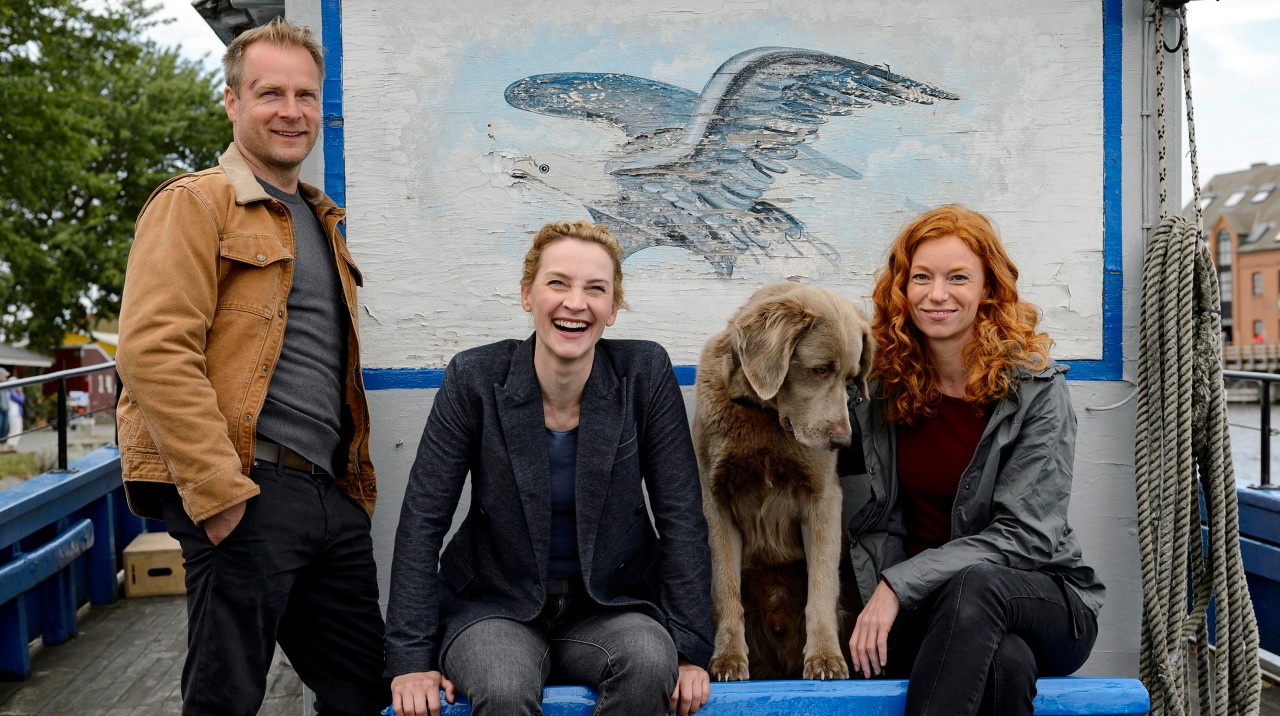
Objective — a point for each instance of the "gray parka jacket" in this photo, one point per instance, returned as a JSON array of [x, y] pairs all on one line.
[[1010, 509]]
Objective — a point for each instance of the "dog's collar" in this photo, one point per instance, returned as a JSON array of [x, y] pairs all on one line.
[[746, 402]]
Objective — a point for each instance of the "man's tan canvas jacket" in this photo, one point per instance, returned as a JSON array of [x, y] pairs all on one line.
[[201, 326]]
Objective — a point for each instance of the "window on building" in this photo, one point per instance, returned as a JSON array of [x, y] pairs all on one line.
[[1257, 283], [1259, 334], [1224, 249], [1235, 198], [1263, 192], [1206, 200]]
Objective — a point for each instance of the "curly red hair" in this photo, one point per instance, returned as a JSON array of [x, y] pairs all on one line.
[[1005, 333]]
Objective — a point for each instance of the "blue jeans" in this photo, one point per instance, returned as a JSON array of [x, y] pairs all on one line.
[[628, 658], [979, 643]]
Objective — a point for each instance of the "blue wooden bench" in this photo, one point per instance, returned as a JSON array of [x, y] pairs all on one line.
[[1067, 696]]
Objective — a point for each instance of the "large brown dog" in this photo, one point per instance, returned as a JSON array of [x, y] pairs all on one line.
[[771, 412]]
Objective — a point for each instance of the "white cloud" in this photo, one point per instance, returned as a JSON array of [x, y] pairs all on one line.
[[188, 31], [1211, 15]]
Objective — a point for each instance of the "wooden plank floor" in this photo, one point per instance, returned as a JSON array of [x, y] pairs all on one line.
[[126, 661]]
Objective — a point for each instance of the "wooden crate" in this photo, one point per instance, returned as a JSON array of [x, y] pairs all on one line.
[[153, 566]]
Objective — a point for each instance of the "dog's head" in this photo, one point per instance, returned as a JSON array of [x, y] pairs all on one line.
[[795, 348]]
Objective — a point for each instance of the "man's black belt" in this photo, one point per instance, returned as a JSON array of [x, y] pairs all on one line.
[[264, 451]]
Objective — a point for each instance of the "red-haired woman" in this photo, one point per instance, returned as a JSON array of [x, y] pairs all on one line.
[[956, 494]]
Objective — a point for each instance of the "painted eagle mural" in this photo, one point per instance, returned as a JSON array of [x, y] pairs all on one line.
[[694, 167]]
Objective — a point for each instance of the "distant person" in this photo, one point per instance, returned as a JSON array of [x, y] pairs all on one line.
[[4, 413], [974, 582], [17, 406], [243, 422], [557, 571]]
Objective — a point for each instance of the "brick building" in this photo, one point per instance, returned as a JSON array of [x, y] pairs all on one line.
[[1242, 225]]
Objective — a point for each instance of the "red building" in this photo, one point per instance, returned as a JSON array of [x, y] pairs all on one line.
[[95, 392]]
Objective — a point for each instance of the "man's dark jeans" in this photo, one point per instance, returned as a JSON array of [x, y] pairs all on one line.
[[299, 570], [978, 644]]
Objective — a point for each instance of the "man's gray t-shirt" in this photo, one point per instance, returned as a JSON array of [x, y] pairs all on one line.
[[304, 401]]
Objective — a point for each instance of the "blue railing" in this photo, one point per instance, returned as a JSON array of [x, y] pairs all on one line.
[[62, 535]]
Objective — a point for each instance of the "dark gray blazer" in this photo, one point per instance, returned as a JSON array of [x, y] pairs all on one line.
[[487, 420]]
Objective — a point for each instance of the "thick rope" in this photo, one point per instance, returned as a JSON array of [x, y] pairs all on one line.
[[1183, 457]]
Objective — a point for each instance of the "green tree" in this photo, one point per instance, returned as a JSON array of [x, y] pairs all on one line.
[[93, 116]]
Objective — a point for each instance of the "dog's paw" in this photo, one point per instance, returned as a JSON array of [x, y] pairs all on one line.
[[826, 666], [729, 667]]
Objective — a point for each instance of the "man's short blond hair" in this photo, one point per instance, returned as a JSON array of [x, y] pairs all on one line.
[[279, 32]]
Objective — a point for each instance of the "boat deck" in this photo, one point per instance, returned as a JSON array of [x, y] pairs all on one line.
[[127, 661]]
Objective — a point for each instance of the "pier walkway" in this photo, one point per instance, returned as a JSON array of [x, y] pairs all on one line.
[[126, 661]]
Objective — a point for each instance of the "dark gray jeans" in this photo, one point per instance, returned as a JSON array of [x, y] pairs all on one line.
[[979, 643], [299, 570], [628, 658]]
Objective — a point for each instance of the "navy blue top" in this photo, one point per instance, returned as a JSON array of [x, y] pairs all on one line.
[[562, 454]]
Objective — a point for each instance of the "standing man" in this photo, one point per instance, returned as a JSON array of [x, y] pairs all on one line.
[[243, 422]]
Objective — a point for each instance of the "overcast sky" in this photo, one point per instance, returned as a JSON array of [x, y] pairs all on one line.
[[1235, 80], [1235, 85]]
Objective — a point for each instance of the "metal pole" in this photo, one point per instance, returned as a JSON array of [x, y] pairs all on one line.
[[62, 425], [1265, 392]]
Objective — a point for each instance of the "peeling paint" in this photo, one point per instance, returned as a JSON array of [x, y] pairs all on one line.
[[439, 218]]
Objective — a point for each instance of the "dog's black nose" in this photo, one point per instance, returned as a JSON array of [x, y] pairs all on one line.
[[840, 440]]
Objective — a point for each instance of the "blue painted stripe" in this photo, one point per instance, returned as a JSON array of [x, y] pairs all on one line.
[[430, 378], [1109, 367], [335, 161], [1113, 165], [402, 378]]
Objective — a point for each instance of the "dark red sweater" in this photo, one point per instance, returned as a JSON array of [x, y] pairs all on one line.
[[932, 456]]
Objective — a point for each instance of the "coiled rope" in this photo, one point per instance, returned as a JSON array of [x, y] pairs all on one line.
[[1181, 436]]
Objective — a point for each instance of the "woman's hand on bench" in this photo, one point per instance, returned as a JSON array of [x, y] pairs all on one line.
[[693, 686], [418, 693]]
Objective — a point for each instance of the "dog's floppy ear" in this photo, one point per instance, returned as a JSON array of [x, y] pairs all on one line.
[[867, 360], [764, 336]]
